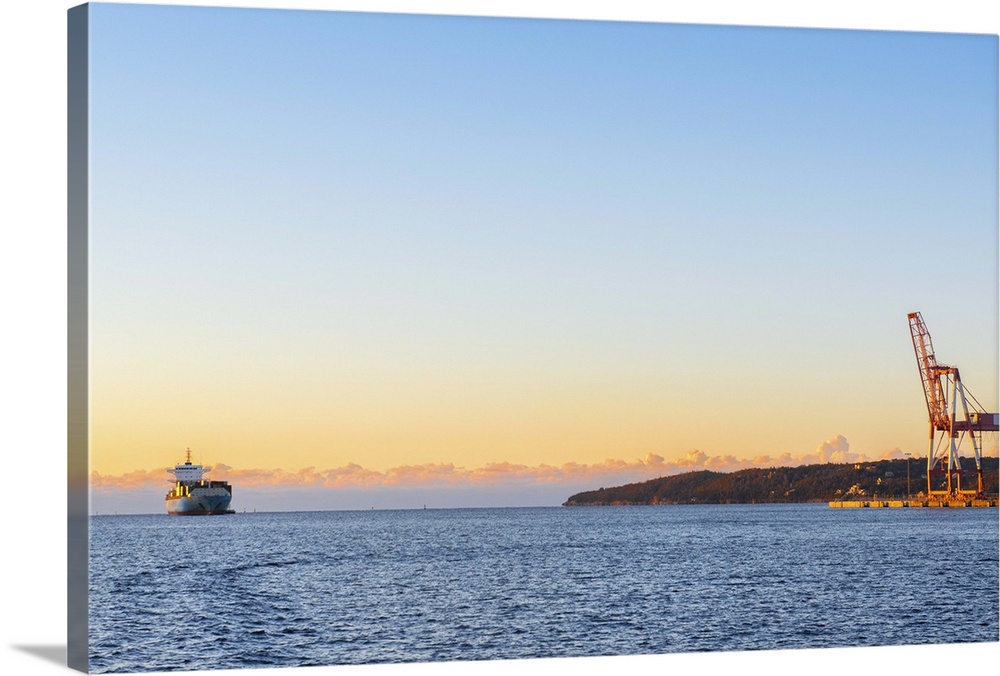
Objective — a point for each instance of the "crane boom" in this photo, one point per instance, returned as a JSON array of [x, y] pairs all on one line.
[[930, 372], [943, 413]]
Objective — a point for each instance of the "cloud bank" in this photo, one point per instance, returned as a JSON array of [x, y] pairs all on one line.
[[448, 475]]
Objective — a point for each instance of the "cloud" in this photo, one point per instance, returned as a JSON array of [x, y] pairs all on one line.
[[130, 481], [836, 449], [608, 473], [894, 454]]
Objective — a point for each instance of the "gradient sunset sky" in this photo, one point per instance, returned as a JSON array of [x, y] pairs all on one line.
[[355, 256]]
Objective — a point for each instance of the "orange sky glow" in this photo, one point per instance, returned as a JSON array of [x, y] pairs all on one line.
[[352, 475]]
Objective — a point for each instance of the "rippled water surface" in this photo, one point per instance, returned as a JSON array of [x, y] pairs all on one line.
[[320, 588]]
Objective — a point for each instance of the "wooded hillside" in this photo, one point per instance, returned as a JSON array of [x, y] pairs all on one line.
[[807, 483]]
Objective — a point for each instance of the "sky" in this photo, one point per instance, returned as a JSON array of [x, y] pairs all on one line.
[[374, 260]]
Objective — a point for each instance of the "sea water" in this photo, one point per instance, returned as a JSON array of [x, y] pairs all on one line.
[[324, 588]]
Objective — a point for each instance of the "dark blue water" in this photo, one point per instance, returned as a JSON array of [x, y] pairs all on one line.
[[323, 588]]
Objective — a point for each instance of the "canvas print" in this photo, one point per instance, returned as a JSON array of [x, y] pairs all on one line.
[[414, 338]]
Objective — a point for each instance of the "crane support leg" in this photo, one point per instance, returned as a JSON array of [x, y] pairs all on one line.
[[930, 460], [976, 446]]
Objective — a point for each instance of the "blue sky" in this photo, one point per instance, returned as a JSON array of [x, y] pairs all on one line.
[[367, 223]]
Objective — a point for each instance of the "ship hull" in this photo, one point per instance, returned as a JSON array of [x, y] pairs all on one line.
[[201, 502]]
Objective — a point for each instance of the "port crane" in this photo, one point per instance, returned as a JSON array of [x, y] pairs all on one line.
[[945, 394]]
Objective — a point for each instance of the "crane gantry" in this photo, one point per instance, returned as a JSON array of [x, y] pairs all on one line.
[[944, 393]]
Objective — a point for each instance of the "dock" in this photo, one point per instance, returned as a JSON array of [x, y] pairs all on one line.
[[960, 503]]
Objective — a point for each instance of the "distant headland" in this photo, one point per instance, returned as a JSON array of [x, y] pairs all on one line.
[[806, 483]]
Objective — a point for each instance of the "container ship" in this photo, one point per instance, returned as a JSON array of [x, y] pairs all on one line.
[[194, 496]]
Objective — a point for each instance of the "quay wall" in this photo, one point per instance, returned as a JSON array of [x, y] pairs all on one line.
[[935, 503]]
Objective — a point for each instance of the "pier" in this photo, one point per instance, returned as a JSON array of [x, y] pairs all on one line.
[[922, 502]]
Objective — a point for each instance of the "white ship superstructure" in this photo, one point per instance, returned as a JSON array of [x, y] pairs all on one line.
[[193, 495]]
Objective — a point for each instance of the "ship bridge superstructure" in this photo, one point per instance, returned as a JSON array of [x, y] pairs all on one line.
[[189, 473]]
